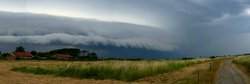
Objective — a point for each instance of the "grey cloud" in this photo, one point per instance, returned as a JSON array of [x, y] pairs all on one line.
[[210, 27], [189, 27], [146, 43], [21, 28]]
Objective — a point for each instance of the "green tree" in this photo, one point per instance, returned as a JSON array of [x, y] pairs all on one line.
[[5, 54], [20, 49], [92, 56], [34, 53]]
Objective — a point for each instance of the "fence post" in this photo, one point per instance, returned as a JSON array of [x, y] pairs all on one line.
[[198, 76], [210, 66]]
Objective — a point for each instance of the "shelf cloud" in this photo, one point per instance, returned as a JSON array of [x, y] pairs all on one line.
[[185, 27], [27, 28]]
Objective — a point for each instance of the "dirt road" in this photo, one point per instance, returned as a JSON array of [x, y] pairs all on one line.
[[228, 74]]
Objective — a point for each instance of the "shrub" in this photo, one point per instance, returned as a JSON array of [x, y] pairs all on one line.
[[244, 61]]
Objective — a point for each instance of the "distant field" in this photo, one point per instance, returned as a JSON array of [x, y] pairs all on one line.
[[118, 70]]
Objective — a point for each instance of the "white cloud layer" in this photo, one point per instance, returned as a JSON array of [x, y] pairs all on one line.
[[146, 43]]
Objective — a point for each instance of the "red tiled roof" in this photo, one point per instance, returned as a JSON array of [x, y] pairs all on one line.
[[22, 54], [63, 56]]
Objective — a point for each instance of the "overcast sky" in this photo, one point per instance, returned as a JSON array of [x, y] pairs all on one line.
[[187, 27]]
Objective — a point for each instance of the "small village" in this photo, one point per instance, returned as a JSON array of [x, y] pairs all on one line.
[[69, 54]]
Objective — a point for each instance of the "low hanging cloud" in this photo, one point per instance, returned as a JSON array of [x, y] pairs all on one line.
[[27, 28], [146, 43]]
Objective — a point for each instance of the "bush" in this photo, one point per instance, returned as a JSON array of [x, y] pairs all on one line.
[[3, 58], [244, 61]]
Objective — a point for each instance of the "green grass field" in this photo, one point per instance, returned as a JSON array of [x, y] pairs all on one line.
[[244, 61], [118, 70]]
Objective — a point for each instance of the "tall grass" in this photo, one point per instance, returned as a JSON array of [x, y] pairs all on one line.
[[118, 70], [3, 58], [244, 61], [202, 76]]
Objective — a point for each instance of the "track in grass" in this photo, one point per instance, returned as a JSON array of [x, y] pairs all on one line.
[[228, 75]]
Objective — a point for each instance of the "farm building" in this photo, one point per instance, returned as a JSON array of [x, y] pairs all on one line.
[[63, 56], [19, 55]]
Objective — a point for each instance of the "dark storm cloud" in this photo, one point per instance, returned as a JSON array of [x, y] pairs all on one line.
[[188, 27], [214, 27], [21, 28]]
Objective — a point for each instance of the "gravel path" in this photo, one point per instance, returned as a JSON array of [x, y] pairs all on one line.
[[227, 74]]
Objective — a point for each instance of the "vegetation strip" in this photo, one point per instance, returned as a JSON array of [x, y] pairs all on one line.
[[243, 64], [118, 70], [244, 61], [202, 75]]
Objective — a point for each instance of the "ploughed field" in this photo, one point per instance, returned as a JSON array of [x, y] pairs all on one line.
[[87, 71]]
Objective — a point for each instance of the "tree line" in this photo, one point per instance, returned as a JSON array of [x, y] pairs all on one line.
[[77, 54]]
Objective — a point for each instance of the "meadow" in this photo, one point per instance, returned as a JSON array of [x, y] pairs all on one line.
[[117, 70], [244, 61], [203, 75]]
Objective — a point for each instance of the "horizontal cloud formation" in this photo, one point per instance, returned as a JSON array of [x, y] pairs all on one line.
[[87, 40], [22, 28], [187, 27]]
